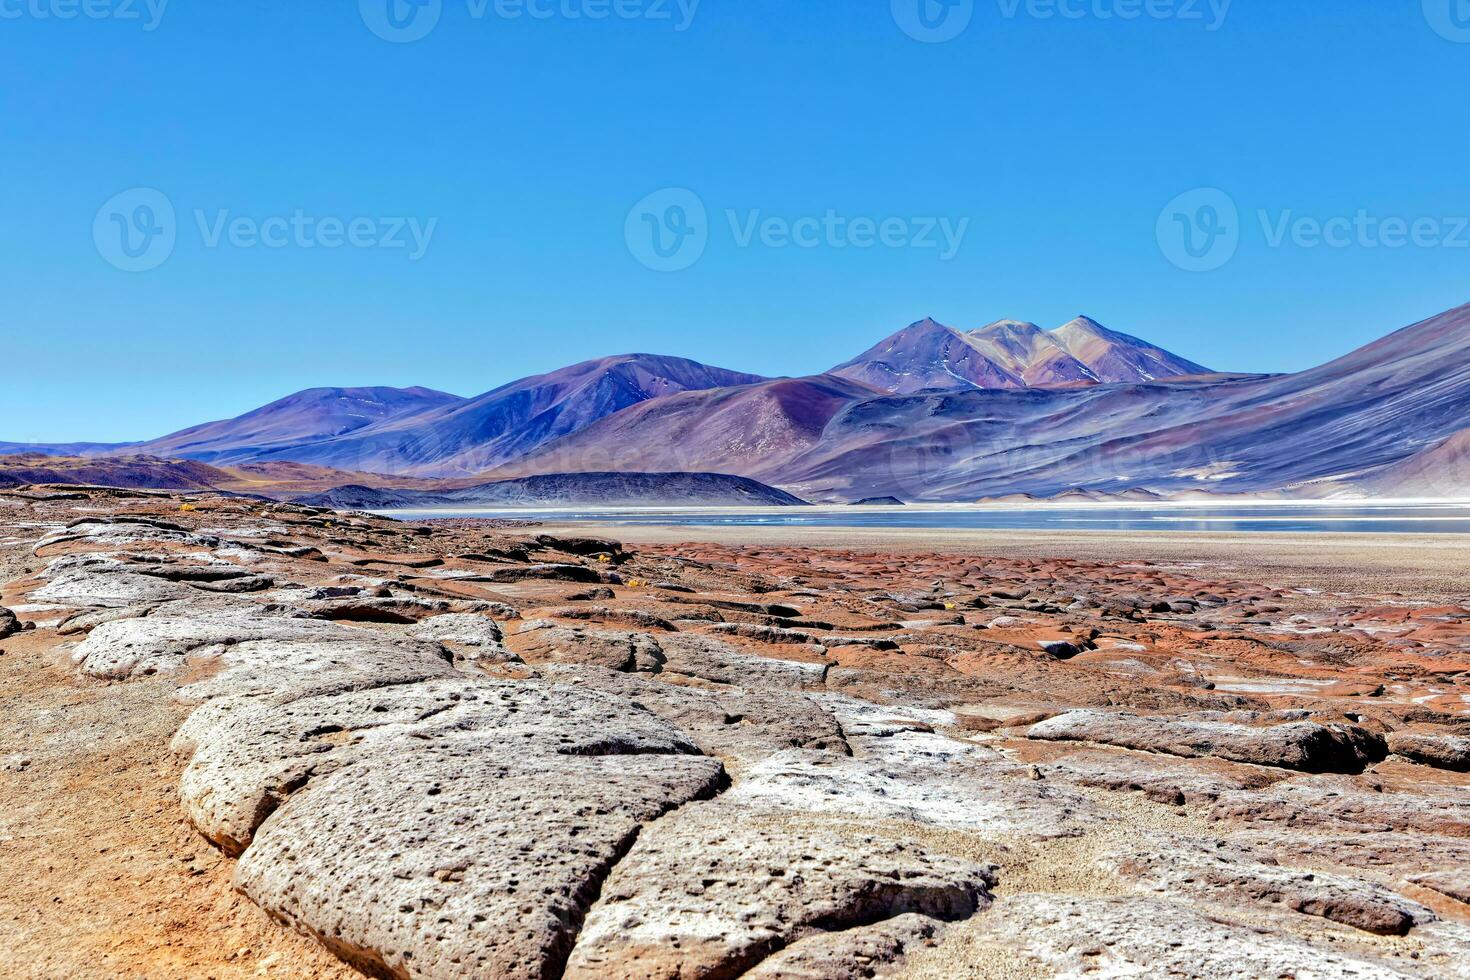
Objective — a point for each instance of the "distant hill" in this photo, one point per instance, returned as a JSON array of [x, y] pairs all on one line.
[[64, 448], [569, 490], [298, 420], [133, 472]]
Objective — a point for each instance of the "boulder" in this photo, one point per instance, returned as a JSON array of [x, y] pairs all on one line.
[[1440, 751], [9, 625]]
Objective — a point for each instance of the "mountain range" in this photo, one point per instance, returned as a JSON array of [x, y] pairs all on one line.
[[929, 413]]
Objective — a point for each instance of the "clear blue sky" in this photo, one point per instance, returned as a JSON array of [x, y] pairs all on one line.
[[1061, 140]]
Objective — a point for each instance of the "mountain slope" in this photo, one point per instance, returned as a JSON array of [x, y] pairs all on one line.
[[1010, 354], [1440, 471], [1114, 356], [306, 417], [757, 428], [468, 437]]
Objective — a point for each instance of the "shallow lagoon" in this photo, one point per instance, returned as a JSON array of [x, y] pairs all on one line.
[[1382, 518]]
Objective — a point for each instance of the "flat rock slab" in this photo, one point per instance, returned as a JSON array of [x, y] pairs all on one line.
[[1453, 884], [551, 572], [919, 777], [1173, 780], [849, 954], [86, 588], [542, 641], [1340, 805], [716, 889], [1234, 875], [1145, 937], [126, 648], [481, 636], [1305, 746], [714, 660], [730, 722]]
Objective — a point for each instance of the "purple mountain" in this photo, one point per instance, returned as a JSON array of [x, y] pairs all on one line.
[[1010, 354], [469, 437], [302, 419]]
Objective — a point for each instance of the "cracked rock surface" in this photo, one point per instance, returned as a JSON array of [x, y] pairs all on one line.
[[457, 750]]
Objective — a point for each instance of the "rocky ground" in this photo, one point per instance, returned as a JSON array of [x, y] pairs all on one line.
[[453, 750]]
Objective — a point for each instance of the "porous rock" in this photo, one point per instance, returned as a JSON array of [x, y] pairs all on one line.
[[1305, 745], [1181, 866], [1138, 936], [471, 843], [717, 889]]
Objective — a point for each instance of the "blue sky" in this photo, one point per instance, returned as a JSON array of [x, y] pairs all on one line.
[[518, 145]]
